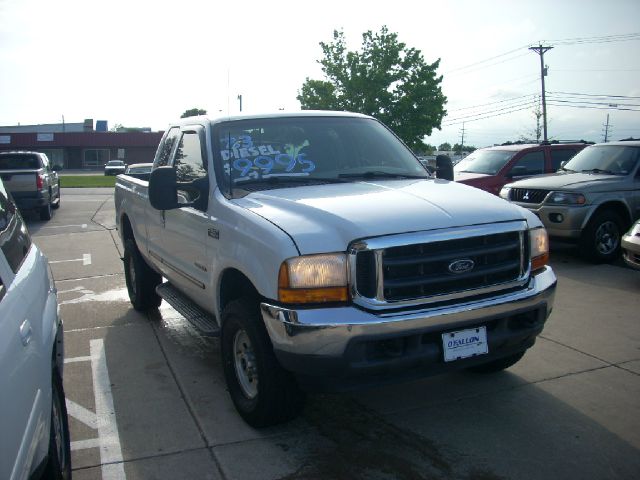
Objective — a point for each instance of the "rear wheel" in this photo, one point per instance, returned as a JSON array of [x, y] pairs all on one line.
[[600, 240], [59, 459], [141, 280], [45, 212], [262, 391], [498, 365]]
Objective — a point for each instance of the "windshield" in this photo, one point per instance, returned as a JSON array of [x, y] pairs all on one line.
[[488, 162], [276, 151], [115, 163], [612, 159]]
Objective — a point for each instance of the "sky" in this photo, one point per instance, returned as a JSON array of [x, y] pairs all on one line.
[[142, 63]]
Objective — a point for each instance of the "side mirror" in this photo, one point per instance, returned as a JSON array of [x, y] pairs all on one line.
[[163, 192], [444, 167]]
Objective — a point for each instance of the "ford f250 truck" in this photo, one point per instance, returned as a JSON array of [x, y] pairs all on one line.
[[327, 258]]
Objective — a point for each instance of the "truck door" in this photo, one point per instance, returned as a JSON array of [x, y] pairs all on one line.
[[155, 219], [185, 229]]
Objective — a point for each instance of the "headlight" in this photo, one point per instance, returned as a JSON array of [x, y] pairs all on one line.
[[566, 198], [539, 248], [313, 279], [635, 231], [504, 193]]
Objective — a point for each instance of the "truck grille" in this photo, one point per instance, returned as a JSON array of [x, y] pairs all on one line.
[[429, 271], [526, 195]]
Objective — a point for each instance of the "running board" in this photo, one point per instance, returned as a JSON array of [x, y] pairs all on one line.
[[193, 313]]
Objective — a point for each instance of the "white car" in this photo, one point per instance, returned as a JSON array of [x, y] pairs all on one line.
[[114, 167], [34, 433]]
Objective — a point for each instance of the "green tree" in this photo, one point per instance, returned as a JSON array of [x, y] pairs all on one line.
[[385, 79], [193, 112], [444, 147]]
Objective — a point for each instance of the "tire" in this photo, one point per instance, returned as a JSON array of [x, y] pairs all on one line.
[[57, 204], [58, 465], [600, 240], [141, 280], [45, 212], [497, 365], [263, 393]]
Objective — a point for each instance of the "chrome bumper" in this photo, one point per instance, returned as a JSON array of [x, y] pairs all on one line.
[[326, 332]]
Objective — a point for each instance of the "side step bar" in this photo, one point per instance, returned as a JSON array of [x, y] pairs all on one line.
[[193, 313]]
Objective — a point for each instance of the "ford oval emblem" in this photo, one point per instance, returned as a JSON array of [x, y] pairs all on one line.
[[461, 266]]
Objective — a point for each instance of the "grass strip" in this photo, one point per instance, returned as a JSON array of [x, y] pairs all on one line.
[[87, 181]]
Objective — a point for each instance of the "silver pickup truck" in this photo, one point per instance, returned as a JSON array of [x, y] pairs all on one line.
[[326, 257], [32, 181], [592, 200]]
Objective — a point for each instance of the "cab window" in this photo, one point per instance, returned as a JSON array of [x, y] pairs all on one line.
[[531, 163], [560, 155]]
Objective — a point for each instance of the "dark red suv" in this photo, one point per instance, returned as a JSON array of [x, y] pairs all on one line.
[[493, 167]]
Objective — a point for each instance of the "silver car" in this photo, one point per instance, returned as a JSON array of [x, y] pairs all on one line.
[[34, 438], [631, 246]]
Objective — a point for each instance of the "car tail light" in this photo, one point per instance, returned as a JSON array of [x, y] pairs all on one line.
[[39, 181]]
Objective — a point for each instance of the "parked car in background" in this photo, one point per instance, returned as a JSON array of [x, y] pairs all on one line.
[[631, 246], [32, 181], [593, 200], [492, 168], [114, 167], [34, 438]]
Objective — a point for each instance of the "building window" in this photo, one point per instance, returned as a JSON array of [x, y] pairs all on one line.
[[95, 157], [56, 157]]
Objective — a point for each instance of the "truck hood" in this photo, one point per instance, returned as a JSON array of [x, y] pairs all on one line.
[[570, 181], [327, 218], [469, 178]]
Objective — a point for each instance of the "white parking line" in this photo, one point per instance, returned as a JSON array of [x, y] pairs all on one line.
[[104, 418], [84, 225], [110, 450], [86, 260]]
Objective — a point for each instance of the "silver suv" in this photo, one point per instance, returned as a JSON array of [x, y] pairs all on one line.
[[34, 438], [592, 200]]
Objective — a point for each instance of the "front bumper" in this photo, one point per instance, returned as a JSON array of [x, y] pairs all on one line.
[[30, 200], [345, 347], [631, 250], [561, 221]]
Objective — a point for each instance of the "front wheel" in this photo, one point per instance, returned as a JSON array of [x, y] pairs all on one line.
[[262, 391], [600, 240], [141, 280], [59, 458]]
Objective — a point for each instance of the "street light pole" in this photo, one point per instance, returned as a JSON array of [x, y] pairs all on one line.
[[540, 50]]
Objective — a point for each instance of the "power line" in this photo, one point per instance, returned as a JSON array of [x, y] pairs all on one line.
[[594, 95], [602, 39], [458, 122], [595, 108], [485, 60], [556, 99], [493, 103], [527, 104]]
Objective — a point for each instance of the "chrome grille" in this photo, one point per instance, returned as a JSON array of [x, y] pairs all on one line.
[[437, 270], [527, 195]]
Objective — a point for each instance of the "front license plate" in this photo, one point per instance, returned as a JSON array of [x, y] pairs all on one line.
[[464, 343]]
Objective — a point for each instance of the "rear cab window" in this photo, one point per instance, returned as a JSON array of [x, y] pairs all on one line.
[[19, 161]]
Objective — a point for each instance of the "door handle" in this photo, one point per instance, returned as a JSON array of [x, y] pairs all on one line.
[[26, 332]]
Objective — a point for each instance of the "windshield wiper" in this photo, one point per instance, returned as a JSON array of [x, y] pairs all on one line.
[[379, 174], [598, 170], [286, 180]]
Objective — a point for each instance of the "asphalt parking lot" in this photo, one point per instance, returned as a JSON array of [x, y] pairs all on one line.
[[147, 399]]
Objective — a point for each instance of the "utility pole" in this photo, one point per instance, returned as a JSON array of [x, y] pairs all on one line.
[[462, 142], [540, 50], [240, 99], [606, 129]]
